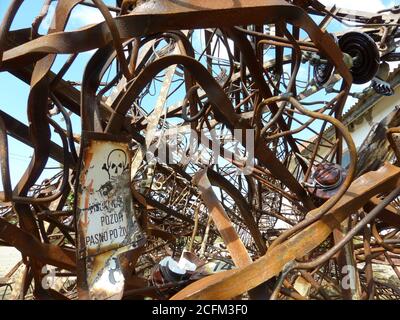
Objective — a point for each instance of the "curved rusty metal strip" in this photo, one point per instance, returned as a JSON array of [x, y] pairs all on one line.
[[6, 195], [317, 213], [29, 245], [222, 108], [65, 179], [235, 282], [39, 133], [115, 37], [234, 244], [185, 48], [244, 208], [162, 16], [38, 105], [6, 24], [94, 71], [257, 73]]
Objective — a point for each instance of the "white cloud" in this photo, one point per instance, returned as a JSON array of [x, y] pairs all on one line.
[[47, 20], [86, 15], [80, 16], [366, 5]]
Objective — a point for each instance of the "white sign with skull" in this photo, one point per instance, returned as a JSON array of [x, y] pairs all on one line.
[[105, 207]]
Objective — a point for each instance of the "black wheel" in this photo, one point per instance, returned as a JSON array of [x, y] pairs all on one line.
[[363, 48]]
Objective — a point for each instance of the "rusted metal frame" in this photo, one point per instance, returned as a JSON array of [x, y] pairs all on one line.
[[65, 229], [277, 215], [207, 39], [27, 278], [279, 55], [223, 109], [225, 284], [326, 277], [94, 71], [256, 174], [283, 42], [292, 294], [6, 24], [65, 180], [280, 39], [134, 49], [345, 88], [257, 73], [43, 233], [185, 17], [69, 131], [60, 74], [376, 252], [195, 228], [257, 116], [285, 271], [320, 289], [317, 144], [392, 264], [66, 93], [115, 37], [152, 230], [333, 53], [295, 39], [126, 6], [370, 289], [147, 290], [92, 5], [344, 257], [388, 215], [341, 14], [379, 239], [125, 128], [38, 20], [170, 211], [274, 188], [6, 194], [245, 209], [37, 106], [235, 246], [225, 42], [295, 66], [310, 129], [40, 135], [185, 47], [152, 69], [349, 236], [302, 127], [317, 213], [32, 247]]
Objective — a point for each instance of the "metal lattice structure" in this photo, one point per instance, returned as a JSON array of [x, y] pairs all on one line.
[[274, 216]]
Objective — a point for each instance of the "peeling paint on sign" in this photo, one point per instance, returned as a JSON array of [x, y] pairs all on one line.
[[107, 224]]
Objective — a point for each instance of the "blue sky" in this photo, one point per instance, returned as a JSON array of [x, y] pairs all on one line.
[[14, 93]]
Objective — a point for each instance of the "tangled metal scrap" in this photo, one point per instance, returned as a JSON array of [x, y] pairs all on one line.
[[286, 229]]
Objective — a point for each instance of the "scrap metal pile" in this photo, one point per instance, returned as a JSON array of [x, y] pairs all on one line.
[[200, 169]]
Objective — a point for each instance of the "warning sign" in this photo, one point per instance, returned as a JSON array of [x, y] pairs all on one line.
[[105, 209]]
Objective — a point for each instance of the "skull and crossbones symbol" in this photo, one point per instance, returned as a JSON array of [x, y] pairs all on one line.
[[117, 163]]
